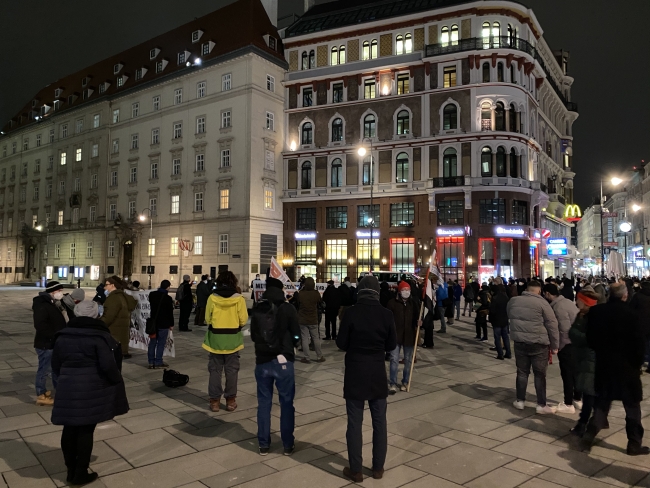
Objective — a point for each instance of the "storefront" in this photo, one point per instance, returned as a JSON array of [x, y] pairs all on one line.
[[364, 245], [305, 260], [503, 254], [402, 254], [450, 243]]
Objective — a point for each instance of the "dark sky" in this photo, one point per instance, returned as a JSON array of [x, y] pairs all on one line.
[[610, 61]]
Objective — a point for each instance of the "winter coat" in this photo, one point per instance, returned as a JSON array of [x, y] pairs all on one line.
[[565, 312], [441, 295], [90, 388], [499, 309], [475, 286], [68, 302], [203, 292], [405, 316], [567, 289], [484, 298], [286, 318], [308, 301], [117, 310], [161, 309], [366, 334], [458, 292], [48, 320], [514, 292], [347, 295], [614, 333], [332, 299], [187, 293], [532, 320], [468, 293], [449, 308], [584, 357], [226, 314], [641, 305], [99, 295], [385, 294]]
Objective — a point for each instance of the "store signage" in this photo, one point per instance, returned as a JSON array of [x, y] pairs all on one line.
[[450, 231], [572, 213], [509, 231], [535, 234], [546, 233], [610, 244], [557, 246], [365, 234], [610, 215], [305, 236]]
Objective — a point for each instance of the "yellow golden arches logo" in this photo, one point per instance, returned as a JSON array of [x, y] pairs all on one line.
[[572, 213]]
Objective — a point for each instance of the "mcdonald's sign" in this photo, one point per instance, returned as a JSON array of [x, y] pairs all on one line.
[[572, 213]]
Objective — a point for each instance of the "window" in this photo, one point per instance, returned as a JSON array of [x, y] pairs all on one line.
[[337, 218], [153, 206], [176, 204], [48, 190], [492, 211], [306, 218], [448, 37], [402, 168], [486, 116], [336, 257], [369, 49], [51, 135], [306, 133], [10, 223], [22, 198], [336, 173], [337, 92], [155, 136], [500, 77], [519, 212], [486, 72], [133, 175], [200, 89], [486, 161], [305, 175], [178, 130], [57, 251], [226, 82], [365, 216], [513, 119], [89, 249], [224, 198], [59, 218], [79, 126], [270, 83], [111, 249], [113, 178], [160, 65], [92, 214], [112, 211], [223, 243], [200, 125], [135, 141], [23, 169], [514, 167], [449, 76], [38, 140], [402, 254], [402, 214], [369, 126], [501, 161], [226, 119], [225, 158], [500, 117], [403, 83], [367, 170], [116, 146], [116, 115], [178, 96], [95, 121], [403, 122], [449, 163], [176, 166], [156, 102], [151, 247], [132, 209], [64, 130], [198, 202], [36, 191], [78, 154], [337, 55], [450, 117], [77, 184], [496, 33], [138, 74], [205, 49], [173, 246], [399, 44], [135, 110], [450, 212], [270, 122], [93, 181], [269, 199], [485, 33], [337, 130], [408, 43], [198, 245], [62, 187], [63, 159], [307, 97], [369, 89], [199, 162]]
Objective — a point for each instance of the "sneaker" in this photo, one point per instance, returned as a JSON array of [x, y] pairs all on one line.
[[545, 409], [321, 359], [305, 361], [564, 408], [484, 339], [518, 404], [392, 389], [493, 348], [577, 404], [288, 451], [264, 451], [403, 387]]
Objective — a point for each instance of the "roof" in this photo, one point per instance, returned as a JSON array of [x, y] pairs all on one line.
[[234, 27]]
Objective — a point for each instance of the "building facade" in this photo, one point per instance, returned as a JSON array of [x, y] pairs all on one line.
[[465, 117], [164, 154]]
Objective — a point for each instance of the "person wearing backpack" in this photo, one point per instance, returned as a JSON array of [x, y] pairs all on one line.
[[275, 333]]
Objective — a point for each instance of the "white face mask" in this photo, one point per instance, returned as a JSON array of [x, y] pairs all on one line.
[[58, 295], [405, 293]]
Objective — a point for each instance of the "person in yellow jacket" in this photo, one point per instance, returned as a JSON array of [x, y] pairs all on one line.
[[226, 314]]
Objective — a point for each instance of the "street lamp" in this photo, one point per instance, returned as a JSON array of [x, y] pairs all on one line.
[[44, 227], [142, 219], [625, 228], [371, 220], [615, 182]]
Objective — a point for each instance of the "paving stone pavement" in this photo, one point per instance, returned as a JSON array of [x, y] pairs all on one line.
[[455, 428]]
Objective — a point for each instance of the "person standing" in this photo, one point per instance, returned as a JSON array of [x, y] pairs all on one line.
[[161, 309], [640, 303], [185, 300], [69, 300], [347, 298], [405, 315], [49, 318], [567, 288], [308, 302], [90, 387], [441, 299], [117, 312], [468, 295], [565, 312], [332, 299], [275, 333], [449, 305], [616, 336], [534, 329], [481, 320], [385, 293], [499, 319], [203, 291], [458, 293], [367, 332]]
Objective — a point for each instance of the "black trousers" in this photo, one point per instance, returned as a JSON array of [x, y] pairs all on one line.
[[77, 446], [481, 327], [633, 426], [379, 433], [184, 318], [565, 355], [428, 333], [588, 402], [330, 319]]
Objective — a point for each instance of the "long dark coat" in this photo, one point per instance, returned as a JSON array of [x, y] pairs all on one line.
[[499, 309], [48, 320], [584, 358], [163, 313], [406, 316], [366, 334], [90, 388]]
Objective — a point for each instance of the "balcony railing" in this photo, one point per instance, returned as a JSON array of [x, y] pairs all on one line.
[[448, 181]]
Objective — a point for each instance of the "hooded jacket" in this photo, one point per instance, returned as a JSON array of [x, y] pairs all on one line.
[[532, 320], [565, 312], [117, 310], [48, 320], [225, 314], [308, 301]]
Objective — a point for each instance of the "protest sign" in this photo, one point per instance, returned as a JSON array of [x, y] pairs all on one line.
[[138, 337], [259, 287]]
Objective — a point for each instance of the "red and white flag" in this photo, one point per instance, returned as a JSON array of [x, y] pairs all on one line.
[[278, 273]]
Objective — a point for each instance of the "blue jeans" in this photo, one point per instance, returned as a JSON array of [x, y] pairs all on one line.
[[283, 376], [443, 324], [157, 347], [457, 305], [502, 333], [43, 371], [394, 363]]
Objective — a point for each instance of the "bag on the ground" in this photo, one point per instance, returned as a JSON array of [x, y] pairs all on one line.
[[266, 330], [174, 379]]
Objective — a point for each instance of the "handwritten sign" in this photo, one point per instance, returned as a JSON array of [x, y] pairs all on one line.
[[138, 337]]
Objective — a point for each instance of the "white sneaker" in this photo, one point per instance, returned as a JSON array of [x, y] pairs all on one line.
[[392, 389], [577, 404], [564, 408], [545, 409], [518, 404]]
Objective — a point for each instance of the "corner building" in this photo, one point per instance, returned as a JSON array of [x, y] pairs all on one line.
[[466, 112]]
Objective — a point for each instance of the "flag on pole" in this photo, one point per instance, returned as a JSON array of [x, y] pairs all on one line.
[[435, 270], [428, 297], [278, 273]]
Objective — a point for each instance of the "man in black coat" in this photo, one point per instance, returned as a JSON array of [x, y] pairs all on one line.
[[499, 321], [186, 301], [567, 288], [640, 303], [48, 320], [332, 299], [162, 311], [615, 335], [367, 333], [203, 292]]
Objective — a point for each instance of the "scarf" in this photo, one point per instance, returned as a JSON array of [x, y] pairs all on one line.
[[368, 294]]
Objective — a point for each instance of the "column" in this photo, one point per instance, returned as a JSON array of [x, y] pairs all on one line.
[[508, 164], [494, 119], [494, 157], [507, 113], [518, 121]]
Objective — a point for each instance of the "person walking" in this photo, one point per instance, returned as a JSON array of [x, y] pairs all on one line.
[[275, 333], [458, 293], [441, 300], [117, 312], [499, 319], [90, 387], [162, 312], [615, 334], [534, 329], [468, 295], [565, 312], [185, 300], [332, 299], [367, 332], [226, 314], [49, 318], [640, 303], [203, 292], [481, 320], [405, 315], [308, 302]]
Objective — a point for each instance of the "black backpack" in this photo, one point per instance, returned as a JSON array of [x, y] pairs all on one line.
[[174, 379], [267, 332]]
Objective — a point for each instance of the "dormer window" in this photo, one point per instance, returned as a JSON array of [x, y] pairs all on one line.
[[273, 43], [206, 48], [104, 86], [161, 65], [57, 104], [120, 80], [196, 35], [139, 73], [117, 67], [84, 82], [183, 57], [153, 53], [87, 92], [58, 92], [71, 99]]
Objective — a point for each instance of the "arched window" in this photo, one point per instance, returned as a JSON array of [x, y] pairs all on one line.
[[444, 36], [312, 59], [501, 161], [486, 72], [403, 122], [399, 44], [485, 33], [513, 118], [500, 77], [449, 163], [408, 43], [367, 171], [512, 35], [496, 34], [450, 117], [366, 50], [486, 116], [514, 167], [486, 161], [305, 60], [369, 127], [373, 49], [337, 130], [305, 176], [307, 133], [500, 117], [337, 173], [342, 55], [402, 168], [334, 56], [454, 35]]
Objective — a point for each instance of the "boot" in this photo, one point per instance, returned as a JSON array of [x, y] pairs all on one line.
[[45, 401], [83, 477], [231, 403], [215, 404], [377, 474], [635, 449], [356, 477]]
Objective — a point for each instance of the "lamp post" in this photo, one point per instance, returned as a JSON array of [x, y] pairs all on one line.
[[371, 220], [142, 219], [625, 228], [615, 182], [44, 227]]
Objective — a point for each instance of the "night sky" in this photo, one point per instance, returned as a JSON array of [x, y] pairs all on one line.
[[610, 61]]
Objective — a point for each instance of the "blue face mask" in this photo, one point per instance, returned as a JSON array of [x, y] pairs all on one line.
[[106, 292]]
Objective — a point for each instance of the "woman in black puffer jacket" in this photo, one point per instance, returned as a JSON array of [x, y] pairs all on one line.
[[90, 389]]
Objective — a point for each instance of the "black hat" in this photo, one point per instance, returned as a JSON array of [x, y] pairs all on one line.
[[53, 286], [330, 282], [274, 283], [369, 283]]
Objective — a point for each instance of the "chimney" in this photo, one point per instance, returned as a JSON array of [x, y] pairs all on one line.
[[271, 7], [309, 4]]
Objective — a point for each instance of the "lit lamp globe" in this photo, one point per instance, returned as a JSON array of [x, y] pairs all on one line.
[[616, 181], [362, 151], [142, 218], [625, 227]]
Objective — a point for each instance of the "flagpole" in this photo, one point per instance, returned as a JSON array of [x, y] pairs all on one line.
[[417, 332]]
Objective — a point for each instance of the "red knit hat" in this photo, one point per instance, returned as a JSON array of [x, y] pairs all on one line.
[[403, 285]]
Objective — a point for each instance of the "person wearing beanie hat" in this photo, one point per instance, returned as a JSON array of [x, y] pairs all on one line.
[[185, 300], [405, 314], [71, 299], [366, 334], [49, 318], [332, 299], [161, 308]]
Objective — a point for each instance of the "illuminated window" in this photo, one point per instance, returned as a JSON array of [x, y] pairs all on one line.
[[486, 161], [449, 163], [454, 35], [224, 199], [336, 259], [449, 76], [176, 204], [173, 247], [408, 43], [369, 89], [269, 199], [402, 83], [444, 36], [399, 44], [486, 116], [337, 218], [198, 245], [151, 247], [364, 216], [402, 254], [63, 158]]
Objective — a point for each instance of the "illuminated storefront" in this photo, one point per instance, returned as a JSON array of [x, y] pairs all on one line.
[[450, 243], [402, 254], [305, 259], [336, 259]]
